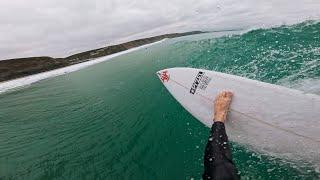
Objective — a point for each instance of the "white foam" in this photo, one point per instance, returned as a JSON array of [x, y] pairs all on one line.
[[12, 84]]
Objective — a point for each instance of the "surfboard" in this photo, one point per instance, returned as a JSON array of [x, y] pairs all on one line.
[[265, 117]]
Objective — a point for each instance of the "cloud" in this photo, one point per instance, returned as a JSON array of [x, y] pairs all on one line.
[[59, 28]]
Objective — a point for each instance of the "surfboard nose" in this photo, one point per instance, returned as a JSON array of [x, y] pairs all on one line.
[[159, 73], [163, 75]]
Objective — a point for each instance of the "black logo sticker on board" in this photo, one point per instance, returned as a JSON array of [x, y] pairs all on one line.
[[196, 82], [200, 81]]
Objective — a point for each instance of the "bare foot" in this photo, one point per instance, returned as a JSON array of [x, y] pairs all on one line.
[[221, 106]]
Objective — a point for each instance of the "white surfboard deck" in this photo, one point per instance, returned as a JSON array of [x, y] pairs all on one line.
[[268, 118]]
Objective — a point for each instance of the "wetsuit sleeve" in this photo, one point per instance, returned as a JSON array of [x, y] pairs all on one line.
[[218, 162]]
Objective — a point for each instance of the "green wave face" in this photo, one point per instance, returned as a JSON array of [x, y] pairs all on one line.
[[115, 120]]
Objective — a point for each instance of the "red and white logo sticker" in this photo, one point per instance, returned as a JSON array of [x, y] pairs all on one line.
[[164, 76]]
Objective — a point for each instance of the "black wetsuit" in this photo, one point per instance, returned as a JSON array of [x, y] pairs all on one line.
[[218, 162]]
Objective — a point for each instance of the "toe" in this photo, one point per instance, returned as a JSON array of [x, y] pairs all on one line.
[[224, 94], [229, 94]]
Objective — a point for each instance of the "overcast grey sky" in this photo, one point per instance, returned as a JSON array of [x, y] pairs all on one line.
[[61, 27]]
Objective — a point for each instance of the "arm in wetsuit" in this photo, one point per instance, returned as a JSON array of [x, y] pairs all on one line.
[[218, 162]]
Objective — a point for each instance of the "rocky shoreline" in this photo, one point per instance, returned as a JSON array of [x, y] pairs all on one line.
[[20, 67]]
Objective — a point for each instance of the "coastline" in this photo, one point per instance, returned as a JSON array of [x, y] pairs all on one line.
[[11, 69], [28, 80]]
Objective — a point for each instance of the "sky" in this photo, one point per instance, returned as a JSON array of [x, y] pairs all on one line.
[[60, 28]]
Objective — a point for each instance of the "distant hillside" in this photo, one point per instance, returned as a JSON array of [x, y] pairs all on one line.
[[16, 68]]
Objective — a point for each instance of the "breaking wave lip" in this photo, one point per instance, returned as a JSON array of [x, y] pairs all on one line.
[[28, 80]]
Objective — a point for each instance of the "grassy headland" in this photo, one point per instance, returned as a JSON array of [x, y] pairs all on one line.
[[20, 67]]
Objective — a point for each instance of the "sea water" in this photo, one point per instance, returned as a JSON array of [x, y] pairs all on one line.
[[115, 120]]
